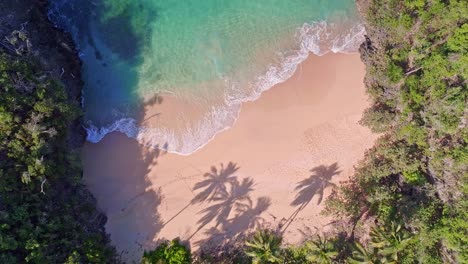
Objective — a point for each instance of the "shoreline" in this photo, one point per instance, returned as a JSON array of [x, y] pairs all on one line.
[[315, 39], [303, 129]]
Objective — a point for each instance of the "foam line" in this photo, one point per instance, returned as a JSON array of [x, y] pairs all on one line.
[[318, 38]]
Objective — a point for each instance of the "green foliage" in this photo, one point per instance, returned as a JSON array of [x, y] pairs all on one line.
[[414, 134], [264, 247], [389, 240], [395, 72], [168, 253], [379, 118], [414, 177], [458, 42], [295, 254], [387, 243], [416, 173], [321, 251], [454, 229], [44, 211], [361, 255], [415, 4]]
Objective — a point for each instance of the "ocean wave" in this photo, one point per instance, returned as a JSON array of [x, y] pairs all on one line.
[[194, 137], [127, 126], [318, 38]]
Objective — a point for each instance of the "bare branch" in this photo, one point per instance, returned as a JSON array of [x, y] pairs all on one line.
[[413, 71], [42, 186]]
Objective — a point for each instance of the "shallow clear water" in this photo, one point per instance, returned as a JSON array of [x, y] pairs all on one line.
[[214, 54]]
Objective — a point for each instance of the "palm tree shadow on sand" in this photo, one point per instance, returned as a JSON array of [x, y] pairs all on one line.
[[213, 187], [216, 183], [230, 207], [310, 187]]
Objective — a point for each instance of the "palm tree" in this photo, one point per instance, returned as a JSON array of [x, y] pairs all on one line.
[[386, 243], [215, 184], [390, 241], [361, 255], [264, 247], [321, 251]]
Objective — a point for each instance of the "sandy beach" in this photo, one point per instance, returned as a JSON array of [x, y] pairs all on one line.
[[274, 167]]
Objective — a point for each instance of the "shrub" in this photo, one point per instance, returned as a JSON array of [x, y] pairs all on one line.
[[414, 177], [264, 247], [168, 253], [395, 72]]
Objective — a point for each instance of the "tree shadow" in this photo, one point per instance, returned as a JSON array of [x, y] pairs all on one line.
[[229, 236], [116, 170], [247, 216], [214, 186], [230, 208], [123, 28], [220, 211], [112, 38], [149, 103], [310, 187], [315, 184], [154, 100]]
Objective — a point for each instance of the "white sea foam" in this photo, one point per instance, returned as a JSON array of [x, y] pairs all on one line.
[[127, 126], [193, 137], [318, 38]]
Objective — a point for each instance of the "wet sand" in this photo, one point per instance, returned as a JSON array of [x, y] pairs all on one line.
[[273, 168]]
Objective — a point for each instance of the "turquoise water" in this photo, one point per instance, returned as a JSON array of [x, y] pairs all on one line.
[[214, 54]]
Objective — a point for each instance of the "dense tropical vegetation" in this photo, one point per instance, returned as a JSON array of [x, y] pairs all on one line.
[[416, 174], [46, 214]]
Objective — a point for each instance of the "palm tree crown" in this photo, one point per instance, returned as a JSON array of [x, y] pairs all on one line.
[[264, 247], [321, 251]]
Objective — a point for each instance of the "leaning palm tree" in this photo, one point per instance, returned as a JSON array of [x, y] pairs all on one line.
[[321, 251], [264, 247]]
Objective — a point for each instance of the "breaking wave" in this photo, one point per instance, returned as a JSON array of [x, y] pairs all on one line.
[[317, 38]]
